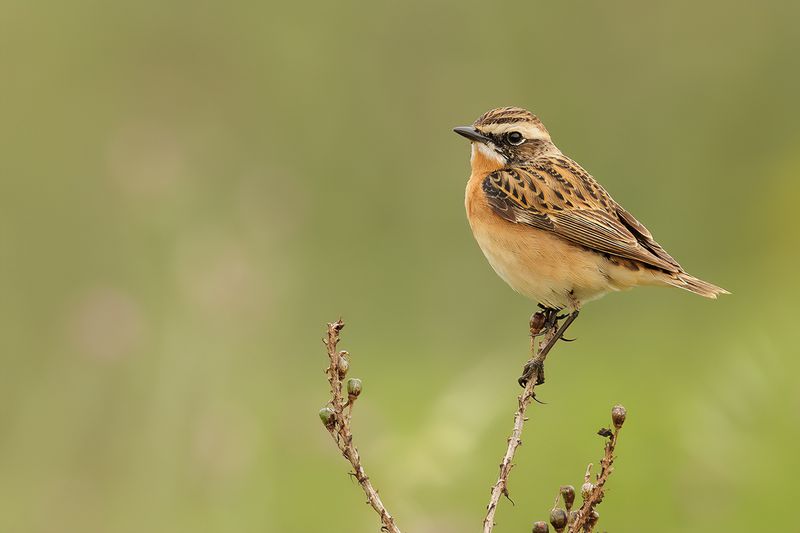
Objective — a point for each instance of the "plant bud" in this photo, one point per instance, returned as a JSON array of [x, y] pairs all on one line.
[[540, 527], [326, 414], [618, 416], [344, 366], [558, 518], [594, 516], [537, 323], [353, 388], [587, 489], [568, 495]]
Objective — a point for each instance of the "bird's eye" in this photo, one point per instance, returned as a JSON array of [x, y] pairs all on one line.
[[515, 138]]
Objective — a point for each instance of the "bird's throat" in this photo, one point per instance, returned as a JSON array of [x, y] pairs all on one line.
[[485, 160]]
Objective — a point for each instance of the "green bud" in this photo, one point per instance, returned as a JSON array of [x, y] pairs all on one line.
[[353, 388], [558, 518], [344, 366], [568, 495], [326, 414]]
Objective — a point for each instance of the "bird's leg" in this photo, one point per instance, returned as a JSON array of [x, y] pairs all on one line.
[[540, 323], [575, 305], [561, 330], [544, 320], [536, 365]]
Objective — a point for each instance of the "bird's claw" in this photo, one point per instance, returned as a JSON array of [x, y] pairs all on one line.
[[530, 369]]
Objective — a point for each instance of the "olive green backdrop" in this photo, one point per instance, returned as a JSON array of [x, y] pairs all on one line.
[[190, 190]]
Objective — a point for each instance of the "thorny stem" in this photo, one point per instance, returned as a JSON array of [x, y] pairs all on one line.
[[581, 522], [339, 427], [500, 488]]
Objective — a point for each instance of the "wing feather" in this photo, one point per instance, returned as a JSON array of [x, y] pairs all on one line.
[[555, 194]]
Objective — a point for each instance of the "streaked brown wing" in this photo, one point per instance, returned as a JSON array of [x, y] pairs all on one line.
[[556, 194]]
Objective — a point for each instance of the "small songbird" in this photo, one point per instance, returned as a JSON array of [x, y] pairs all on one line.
[[548, 228]]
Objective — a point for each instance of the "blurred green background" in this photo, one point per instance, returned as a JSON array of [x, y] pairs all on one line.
[[190, 190]]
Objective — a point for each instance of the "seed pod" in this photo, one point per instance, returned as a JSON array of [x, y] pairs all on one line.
[[326, 414], [353, 388], [344, 366], [540, 527], [537, 323], [587, 489], [618, 416], [593, 517], [568, 495], [558, 518]]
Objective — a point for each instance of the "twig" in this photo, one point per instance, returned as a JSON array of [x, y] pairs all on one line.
[[586, 517], [337, 420], [500, 488]]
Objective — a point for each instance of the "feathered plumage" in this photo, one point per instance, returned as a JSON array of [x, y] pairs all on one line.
[[524, 181]]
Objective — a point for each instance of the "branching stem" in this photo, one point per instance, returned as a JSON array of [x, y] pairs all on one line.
[[583, 519], [339, 425], [500, 487]]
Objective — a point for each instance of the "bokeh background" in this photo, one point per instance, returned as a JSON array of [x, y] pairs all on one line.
[[190, 190]]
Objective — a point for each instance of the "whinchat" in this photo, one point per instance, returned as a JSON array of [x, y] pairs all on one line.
[[548, 228]]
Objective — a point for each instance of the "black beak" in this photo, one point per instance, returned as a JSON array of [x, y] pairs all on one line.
[[472, 134]]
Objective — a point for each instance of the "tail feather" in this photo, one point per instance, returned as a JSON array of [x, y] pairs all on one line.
[[690, 283]]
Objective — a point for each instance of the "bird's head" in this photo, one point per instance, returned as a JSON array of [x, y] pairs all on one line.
[[503, 136]]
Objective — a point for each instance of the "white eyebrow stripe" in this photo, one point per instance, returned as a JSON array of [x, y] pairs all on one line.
[[527, 129]]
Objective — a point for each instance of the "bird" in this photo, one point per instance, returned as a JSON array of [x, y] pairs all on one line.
[[549, 229]]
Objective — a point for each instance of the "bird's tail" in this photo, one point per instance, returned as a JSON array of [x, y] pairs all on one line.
[[690, 283]]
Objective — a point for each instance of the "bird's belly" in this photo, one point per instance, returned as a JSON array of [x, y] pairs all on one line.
[[543, 267]]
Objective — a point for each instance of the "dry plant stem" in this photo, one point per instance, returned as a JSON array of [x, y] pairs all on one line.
[[339, 427], [597, 493], [500, 488]]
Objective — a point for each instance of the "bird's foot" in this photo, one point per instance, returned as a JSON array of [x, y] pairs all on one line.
[[532, 369], [544, 322]]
